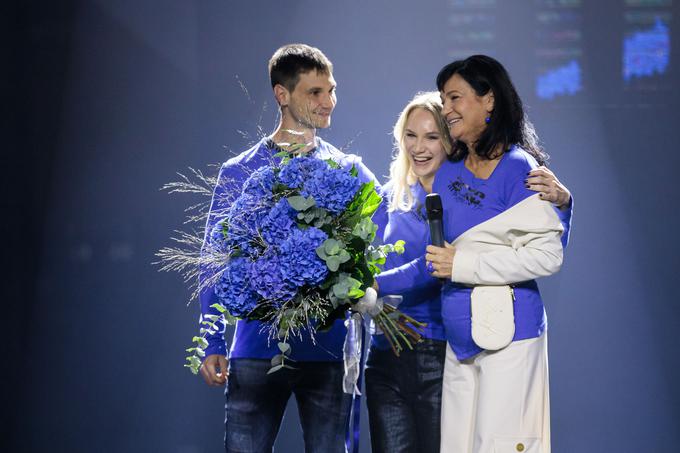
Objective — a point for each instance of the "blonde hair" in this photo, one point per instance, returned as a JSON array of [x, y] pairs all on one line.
[[401, 174]]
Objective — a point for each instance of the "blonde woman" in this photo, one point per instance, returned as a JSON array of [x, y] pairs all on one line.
[[404, 393]]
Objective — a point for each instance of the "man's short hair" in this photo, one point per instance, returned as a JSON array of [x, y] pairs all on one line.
[[291, 60]]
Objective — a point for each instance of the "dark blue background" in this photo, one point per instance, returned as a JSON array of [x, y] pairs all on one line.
[[107, 100]]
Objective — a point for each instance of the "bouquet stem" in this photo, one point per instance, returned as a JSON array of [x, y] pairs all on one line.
[[400, 330]]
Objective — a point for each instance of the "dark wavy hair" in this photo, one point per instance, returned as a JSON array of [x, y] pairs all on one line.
[[291, 60], [508, 124]]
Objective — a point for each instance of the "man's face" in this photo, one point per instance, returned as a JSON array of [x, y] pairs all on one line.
[[311, 102]]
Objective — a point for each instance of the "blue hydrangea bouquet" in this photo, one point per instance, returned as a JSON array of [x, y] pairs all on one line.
[[294, 250]]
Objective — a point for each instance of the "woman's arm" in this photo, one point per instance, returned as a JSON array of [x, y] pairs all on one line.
[[411, 276], [520, 244], [545, 182]]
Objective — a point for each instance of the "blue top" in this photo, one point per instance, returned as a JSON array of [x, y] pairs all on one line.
[[463, 209], [251, 338], [424, 303], [469, 201]]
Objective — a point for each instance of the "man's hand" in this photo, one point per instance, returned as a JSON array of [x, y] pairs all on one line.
[[441, 259], [544, 181], [214, 370]]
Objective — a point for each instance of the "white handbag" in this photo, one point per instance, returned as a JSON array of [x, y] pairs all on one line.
[[493, 320]]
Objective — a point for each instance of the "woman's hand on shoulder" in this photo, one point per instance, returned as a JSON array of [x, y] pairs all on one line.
[[544, 181]]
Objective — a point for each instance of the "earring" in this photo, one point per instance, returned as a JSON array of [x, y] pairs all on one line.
[[487, 120]]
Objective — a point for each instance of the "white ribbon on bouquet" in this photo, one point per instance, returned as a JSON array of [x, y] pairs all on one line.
[[367, 307]]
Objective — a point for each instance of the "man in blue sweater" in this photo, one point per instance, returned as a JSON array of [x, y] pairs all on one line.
[[304, 88]]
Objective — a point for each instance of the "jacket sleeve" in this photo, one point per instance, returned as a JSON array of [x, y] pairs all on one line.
[[227, 187], [411, 276], [520, 244], [565, 218]]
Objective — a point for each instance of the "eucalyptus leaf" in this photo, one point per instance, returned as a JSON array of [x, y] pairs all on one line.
[[331, 246], [340, 291], [300, 203], [277, 360], [374, 255], [344, 285], [201, 342], [194, 364], [274, 369], [343, 256], [333, 263], [321, 252]]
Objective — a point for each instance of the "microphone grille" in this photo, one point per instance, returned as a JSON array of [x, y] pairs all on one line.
[[433, 202]]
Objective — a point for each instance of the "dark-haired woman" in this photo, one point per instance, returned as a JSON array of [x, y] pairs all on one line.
[[501, 233]]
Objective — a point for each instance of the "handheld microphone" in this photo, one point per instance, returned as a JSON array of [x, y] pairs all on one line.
[[433, 206]]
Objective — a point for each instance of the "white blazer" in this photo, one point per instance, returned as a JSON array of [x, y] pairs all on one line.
[[519, 244]]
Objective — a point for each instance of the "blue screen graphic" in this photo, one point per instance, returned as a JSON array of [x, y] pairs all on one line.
[[647, 52], [562, 81]]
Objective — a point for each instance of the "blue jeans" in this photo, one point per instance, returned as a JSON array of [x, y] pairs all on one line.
[[256, 401], [403, 396]]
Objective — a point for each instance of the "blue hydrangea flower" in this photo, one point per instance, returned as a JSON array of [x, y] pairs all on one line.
[[260, 184], [246, 217], [300, 169], [275, 257], [332, 189], [268, 280], [299, 262], [233, 290], [277, 225]]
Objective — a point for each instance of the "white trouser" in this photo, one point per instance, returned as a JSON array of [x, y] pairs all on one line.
[[497, 401]]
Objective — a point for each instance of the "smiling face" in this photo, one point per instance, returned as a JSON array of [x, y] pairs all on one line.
[[310, 104], [464, 110], [423, 144]]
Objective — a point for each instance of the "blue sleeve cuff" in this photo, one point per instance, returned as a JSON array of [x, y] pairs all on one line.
[[219, 349], [407, 277], [565, 219]]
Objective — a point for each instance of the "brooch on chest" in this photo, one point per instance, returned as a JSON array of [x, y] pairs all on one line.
[[465, 193]]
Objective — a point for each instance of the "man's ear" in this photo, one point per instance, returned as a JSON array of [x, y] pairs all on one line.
[[281, 94]]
